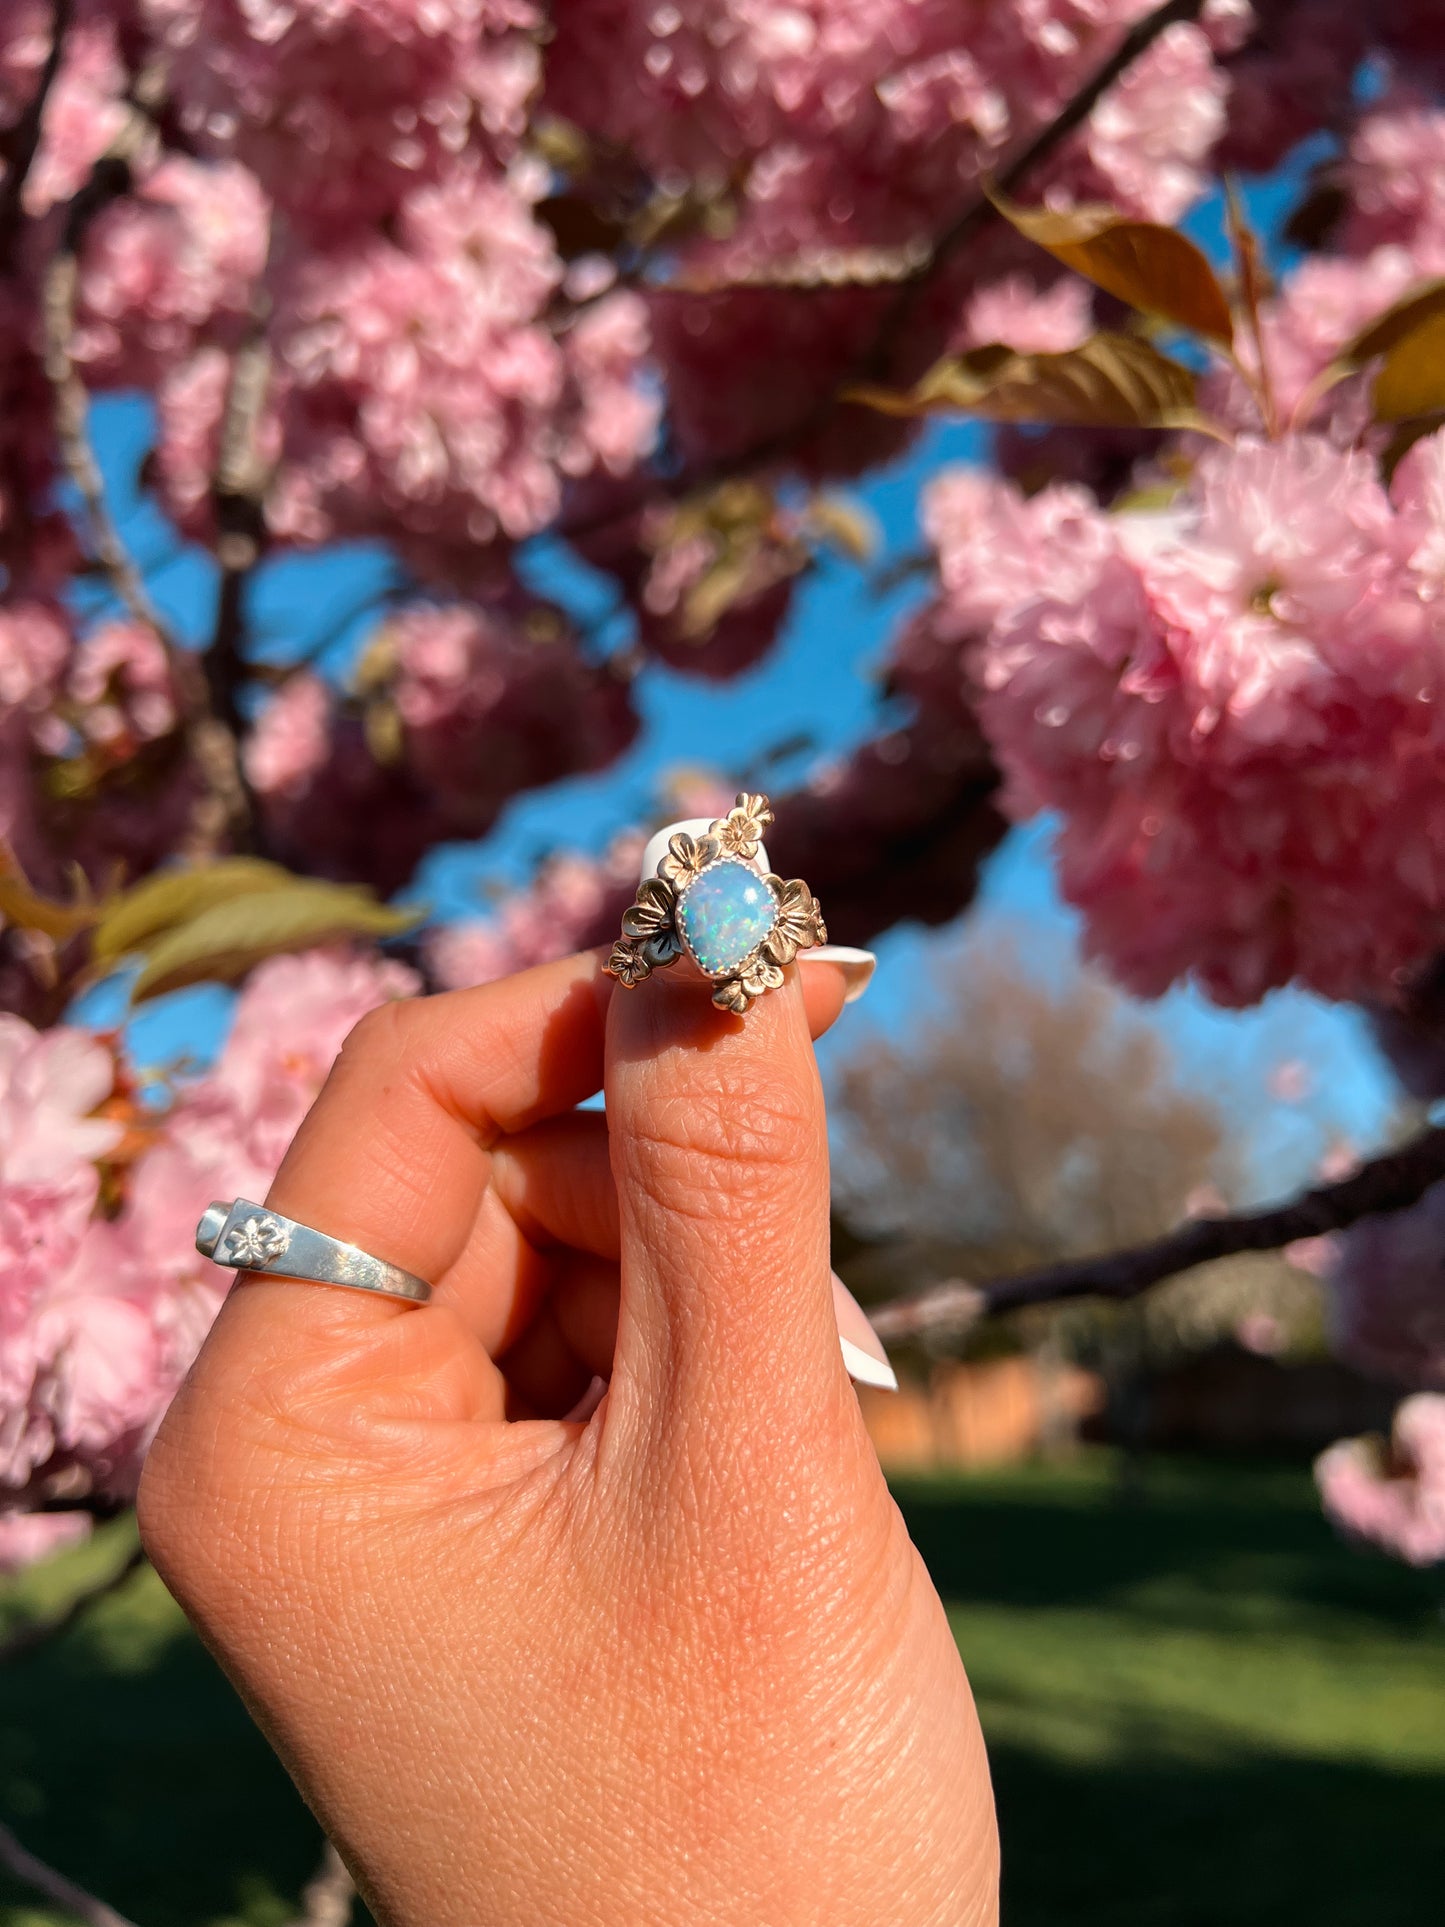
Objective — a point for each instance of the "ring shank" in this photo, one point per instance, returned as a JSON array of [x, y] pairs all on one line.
[[251, 1237]]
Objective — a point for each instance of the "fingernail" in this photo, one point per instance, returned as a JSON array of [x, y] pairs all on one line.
[[857, 966], [863, 1352]]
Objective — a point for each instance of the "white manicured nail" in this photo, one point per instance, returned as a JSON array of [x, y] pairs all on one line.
[[863, 1352], [857, 966]]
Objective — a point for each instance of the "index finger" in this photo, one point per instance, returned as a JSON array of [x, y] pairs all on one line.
[[394, 1154]]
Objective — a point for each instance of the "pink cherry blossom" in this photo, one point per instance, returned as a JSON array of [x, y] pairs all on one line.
[[1233, 708], [51, 1084], [178, 262], [1391, 1494], [341, 109], [100, 1317], [1035, 321], [28, 1537], [85, 108]]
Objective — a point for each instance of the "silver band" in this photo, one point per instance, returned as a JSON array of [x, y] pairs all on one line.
[[252, 1237]]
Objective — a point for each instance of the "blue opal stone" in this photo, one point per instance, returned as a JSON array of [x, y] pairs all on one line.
[[725, 913]]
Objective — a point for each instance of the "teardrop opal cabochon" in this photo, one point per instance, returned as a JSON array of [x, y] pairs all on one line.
[[724, 913]]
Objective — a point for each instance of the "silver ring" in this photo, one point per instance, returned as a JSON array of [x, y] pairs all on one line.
[[252, 1237]]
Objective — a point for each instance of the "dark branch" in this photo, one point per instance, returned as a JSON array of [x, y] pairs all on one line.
[[45, 1880], [22, 142], [971, 220], [39, 1632], [1389, 1183], [238, 492]]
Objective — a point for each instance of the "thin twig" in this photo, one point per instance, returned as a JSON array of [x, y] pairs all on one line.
[[109, 179], [224, 812], [1389, 1183], [328, 1897], [39, 1632], [45, 1880], [23, 140], [980, 212]]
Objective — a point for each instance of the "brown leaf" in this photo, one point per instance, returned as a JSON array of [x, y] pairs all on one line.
[[1112, 381], [1155, 269], [1411, 382], [1398, 322]]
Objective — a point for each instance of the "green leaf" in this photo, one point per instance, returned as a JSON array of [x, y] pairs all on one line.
[[1155, 269], [139, 915], [1112, 381], [228, 939]]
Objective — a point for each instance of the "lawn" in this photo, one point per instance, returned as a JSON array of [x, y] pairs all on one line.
[[1202, 1712]]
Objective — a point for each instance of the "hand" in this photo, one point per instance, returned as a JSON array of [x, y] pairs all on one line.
[[676, 1664]]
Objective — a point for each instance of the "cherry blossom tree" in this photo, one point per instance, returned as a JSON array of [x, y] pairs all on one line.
[[652, 284]]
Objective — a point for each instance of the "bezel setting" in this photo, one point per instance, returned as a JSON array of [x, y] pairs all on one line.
[[653, 932]]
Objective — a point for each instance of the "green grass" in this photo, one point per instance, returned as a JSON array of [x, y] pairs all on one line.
[[1202, 1712]]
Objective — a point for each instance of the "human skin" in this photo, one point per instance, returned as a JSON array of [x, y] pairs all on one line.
[[676, 1663]]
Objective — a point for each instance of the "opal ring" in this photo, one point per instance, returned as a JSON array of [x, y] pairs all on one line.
[[252, 1237], [713, 899]]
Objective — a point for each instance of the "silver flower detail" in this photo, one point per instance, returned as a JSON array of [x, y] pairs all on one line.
[[256, 1242]]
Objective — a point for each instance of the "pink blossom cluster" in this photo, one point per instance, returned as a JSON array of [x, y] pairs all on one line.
[[177, 262], [857, 130], [342, 107], [103, 1297], [477, 704], [85, 109], [93, 767], [571, 903], [416, 391], [1391, 1493], [861, 125], [1233, 706]]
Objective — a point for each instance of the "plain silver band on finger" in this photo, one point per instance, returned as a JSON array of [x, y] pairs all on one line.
[[251, 1237]]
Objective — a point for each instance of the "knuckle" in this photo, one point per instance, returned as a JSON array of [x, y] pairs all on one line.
[[744, 1114], [736, 1149]]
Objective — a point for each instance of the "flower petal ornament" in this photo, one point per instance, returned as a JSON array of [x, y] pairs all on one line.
[[711, 900]]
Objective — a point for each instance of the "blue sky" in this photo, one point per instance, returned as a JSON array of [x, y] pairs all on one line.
[[819, 685]]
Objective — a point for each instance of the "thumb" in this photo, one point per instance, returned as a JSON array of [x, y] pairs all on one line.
[[720, 1154]]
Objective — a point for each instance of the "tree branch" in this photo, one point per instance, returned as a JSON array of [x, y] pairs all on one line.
[[328, 1897], [237, 492], [224, 812], [1389, 1183], [39, 1632], [109, 179], [45, 1880]]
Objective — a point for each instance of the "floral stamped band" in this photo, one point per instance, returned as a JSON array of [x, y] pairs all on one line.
[[710, 900]]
